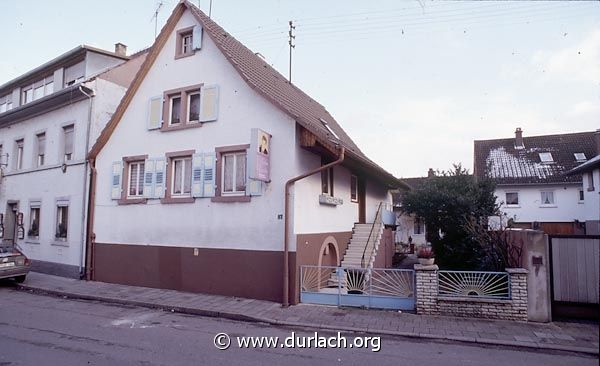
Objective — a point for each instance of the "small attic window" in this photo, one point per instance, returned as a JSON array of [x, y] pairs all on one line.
[[580, 157], [546, 157], [326, 125]]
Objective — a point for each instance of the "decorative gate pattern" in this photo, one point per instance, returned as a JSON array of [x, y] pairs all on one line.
[[474, 284], [361, 287]]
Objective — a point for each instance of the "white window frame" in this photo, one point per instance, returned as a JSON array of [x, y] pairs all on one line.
[[189, 46], [19, 150], [182, 159], [68, 157], [518, 204], [234, 192], [40, 159], [355, 179], [61, 204], [546, 157], [34, 206], [189, 103], [139, 186], [171, 98], [552, 204]]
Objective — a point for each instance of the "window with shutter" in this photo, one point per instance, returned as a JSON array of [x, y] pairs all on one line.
[[149, 172], [197, 161], [155, 113], [136, 179], [209, 103], [160, 177], [117, 171]]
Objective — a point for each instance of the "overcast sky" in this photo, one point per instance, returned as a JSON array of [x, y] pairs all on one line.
[[412, 82]]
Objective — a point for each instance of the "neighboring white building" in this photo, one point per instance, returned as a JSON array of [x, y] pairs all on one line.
[[182, 200], [531, 182], [591, 191], [49, 117], [409, 228]]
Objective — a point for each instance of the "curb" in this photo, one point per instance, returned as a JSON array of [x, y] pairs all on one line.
[[256, 319]]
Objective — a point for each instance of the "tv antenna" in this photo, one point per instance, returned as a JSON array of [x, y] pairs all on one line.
[[155, 17], [292, 37]]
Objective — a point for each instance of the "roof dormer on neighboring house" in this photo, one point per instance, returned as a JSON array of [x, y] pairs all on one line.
[[531, 180]]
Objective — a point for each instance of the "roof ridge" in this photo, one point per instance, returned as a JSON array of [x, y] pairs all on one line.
[[533, 136]]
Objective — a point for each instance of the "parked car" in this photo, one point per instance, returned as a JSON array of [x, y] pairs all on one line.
[[13, 263]]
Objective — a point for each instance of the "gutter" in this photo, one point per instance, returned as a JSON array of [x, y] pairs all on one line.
[[83, 196], [91, 237], [288, 184]]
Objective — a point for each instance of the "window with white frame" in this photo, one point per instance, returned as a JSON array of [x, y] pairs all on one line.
[[234, 173], [353, 188], [68, 136], [186, 43], [326, 180], [27, 96], [62, 221], [6, 103], [34, 220], [136, 179], [419, 226], [19, 145], [175, 109], [37, 90], [547, 198], [546, 157], [41, 149], [193, 106], [512, 198], [181, 176], [590, 179], [580, 157]]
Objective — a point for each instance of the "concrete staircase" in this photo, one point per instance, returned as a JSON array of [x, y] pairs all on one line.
[[354, 253]]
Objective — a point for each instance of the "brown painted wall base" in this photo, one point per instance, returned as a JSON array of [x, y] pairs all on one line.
[[244, 273]]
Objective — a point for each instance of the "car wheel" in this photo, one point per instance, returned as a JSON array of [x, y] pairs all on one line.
[[20, 279]]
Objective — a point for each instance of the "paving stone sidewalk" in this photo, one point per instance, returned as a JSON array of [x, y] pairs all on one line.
[[564, 336]]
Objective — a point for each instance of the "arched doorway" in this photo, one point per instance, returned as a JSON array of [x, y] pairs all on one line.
[[329, 254]]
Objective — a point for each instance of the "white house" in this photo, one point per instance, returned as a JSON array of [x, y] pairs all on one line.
[[49, 117], [531, 181], [190, 174], [590, 171]]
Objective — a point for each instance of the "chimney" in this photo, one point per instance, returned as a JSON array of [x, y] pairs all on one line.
[[430, 173], [519, 138], [120, 49], [597, 138]]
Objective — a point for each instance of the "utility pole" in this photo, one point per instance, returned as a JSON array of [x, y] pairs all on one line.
[[292, 45], [210, 8]]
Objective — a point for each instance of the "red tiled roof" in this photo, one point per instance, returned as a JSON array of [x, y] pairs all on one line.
[[500, 160], [286, 96]]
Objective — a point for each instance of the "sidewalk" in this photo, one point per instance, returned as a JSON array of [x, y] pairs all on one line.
[[561, 336]]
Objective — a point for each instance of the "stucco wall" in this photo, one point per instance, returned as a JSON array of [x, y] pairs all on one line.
[[592, 203], [567, 207]]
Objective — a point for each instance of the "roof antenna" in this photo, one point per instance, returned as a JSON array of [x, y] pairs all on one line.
[[155, 17], [292, 45], [209, 8]]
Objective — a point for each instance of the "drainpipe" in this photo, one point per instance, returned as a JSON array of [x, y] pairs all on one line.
[[288, 184], [85, 167], [91, 238]]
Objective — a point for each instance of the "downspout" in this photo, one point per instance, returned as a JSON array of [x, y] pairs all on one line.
[[85, 167], [288, 184], [91, 238]]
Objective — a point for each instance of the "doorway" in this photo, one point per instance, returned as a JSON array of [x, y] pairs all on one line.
[[10, 224]]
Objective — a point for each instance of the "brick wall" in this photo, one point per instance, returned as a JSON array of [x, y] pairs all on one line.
[[428, 302]]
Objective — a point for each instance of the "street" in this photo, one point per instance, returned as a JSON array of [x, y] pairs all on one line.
[[45, 330]]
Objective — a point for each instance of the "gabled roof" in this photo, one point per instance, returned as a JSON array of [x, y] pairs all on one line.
[[593, 163], [261, 77], [500, 160]]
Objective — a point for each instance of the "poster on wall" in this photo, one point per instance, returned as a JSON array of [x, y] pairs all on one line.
[[259, 160]]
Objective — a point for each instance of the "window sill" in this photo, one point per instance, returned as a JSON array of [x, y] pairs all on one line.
[[132, 201], [182, 126], [548, 206], [60, 243], [32, 241], [230, 199], [183, 55], [325, 199], [512, 206], [169, 200], [590, 189]]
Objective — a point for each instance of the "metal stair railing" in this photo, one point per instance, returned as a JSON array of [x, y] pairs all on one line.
[[372, 238]]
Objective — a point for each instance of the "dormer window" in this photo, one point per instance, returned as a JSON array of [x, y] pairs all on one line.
[[546, 157], [6, 103], [580, 157]]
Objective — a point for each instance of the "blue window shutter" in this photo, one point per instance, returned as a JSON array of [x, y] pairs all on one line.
[[149, 165], [254, 187], [208, 175], [160, 177], [197, 182], [116, 182], [209, 103], [155, 113], [197, 37]]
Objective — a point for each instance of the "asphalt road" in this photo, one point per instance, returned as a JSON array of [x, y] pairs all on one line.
[[45, 330]]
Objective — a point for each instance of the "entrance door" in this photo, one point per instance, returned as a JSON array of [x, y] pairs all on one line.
[[10, 224], [362, 201]]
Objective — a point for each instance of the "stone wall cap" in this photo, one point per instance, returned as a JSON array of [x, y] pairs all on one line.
[[420, 267], [516, 270]]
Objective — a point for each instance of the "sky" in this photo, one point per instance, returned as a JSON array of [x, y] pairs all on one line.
[[413, 82]]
